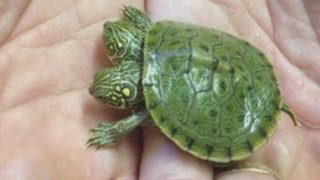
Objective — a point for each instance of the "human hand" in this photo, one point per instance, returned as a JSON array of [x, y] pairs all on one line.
[[47, 63]]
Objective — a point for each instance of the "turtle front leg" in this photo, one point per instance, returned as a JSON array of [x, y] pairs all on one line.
[[108, 134]]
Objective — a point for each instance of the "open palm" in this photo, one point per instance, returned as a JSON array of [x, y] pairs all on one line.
[[50, 51]]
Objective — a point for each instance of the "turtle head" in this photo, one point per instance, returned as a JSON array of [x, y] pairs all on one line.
[[114, 87], [123, 41], [106, 88]]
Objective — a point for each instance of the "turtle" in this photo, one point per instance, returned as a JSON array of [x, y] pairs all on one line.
[[213, 94]]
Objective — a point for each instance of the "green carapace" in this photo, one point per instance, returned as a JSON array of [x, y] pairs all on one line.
[[214, 95]]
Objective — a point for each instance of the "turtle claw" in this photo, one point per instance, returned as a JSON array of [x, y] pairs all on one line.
[[108, 134], [105, 134]]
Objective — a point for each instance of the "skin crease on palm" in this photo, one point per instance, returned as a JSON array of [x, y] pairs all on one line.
[[50, 51]]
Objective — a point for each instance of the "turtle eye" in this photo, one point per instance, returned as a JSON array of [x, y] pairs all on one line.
[[100, 98], [109, 29]]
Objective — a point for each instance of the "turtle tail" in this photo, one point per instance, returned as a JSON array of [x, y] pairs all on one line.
[[285, 108]]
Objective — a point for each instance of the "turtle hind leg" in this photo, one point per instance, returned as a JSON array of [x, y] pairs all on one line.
[[137, 17], [285, 108], [108, 134]]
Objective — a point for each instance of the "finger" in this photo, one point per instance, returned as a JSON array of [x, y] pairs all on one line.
[[162, 159]]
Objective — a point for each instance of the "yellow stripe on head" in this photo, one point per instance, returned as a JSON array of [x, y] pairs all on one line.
[[126, 92]]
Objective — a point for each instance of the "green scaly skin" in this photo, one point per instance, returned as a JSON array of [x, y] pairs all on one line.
[[120, 86]]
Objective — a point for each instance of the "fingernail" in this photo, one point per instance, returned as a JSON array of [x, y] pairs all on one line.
[[245, 175]]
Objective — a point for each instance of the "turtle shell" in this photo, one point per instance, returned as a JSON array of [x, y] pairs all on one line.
[[211, 93]]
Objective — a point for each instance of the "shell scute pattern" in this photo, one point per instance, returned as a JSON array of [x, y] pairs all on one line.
[[200, 87]]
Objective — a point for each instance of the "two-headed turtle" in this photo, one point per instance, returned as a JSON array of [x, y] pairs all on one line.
[[214, 95]]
